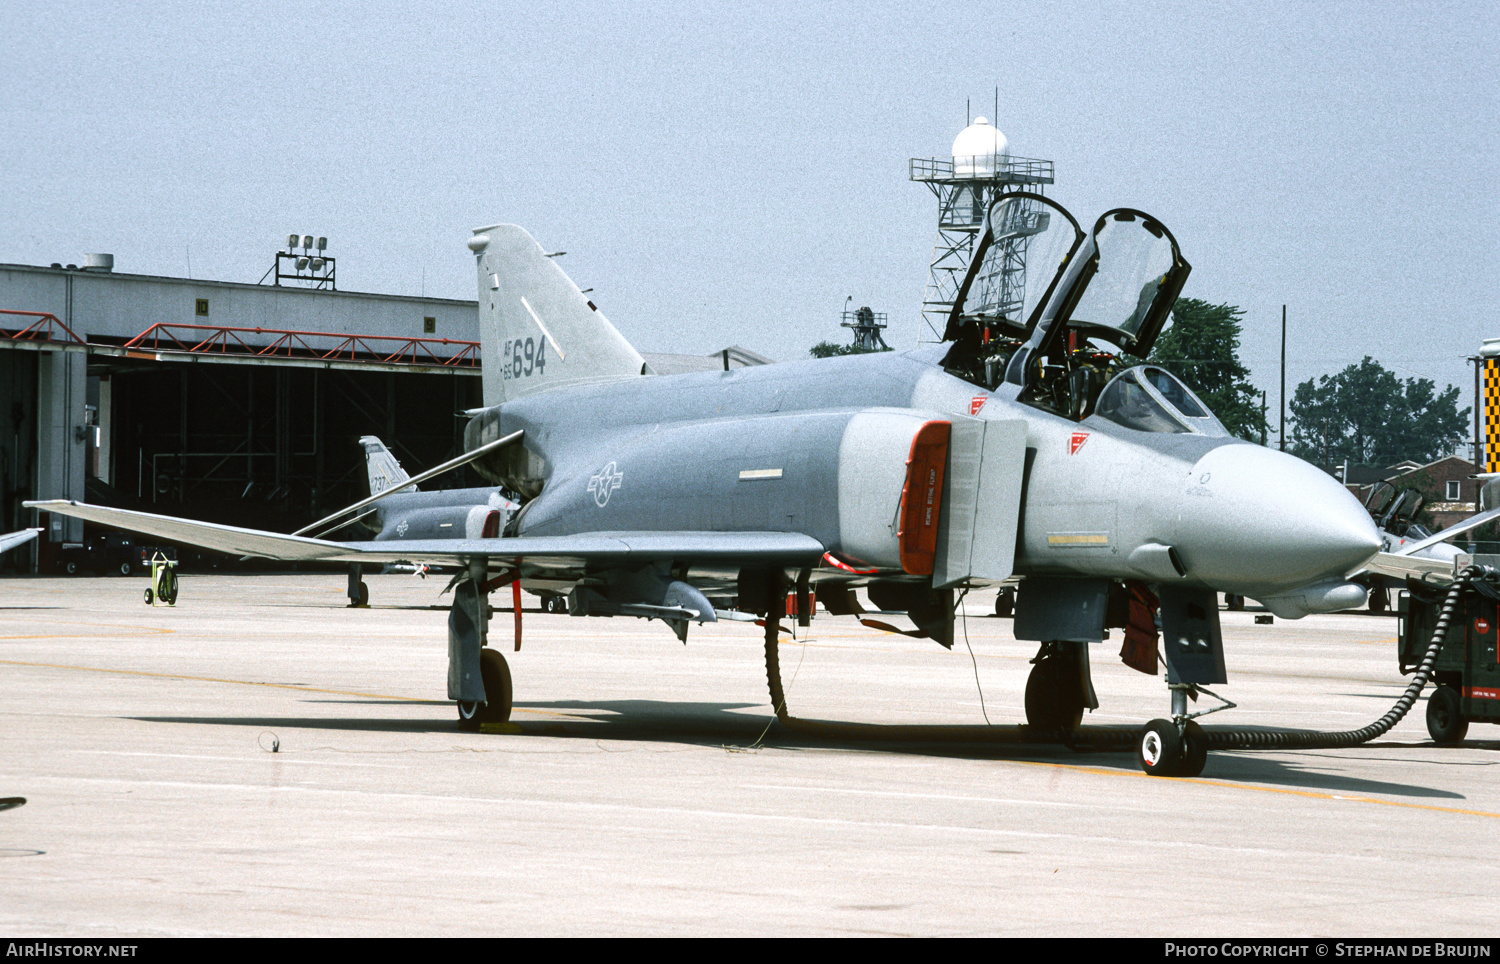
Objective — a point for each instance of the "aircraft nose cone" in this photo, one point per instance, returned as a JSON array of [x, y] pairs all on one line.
[[1256, 520]]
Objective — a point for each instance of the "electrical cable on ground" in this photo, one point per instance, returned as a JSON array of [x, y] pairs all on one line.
[[965, 617], [1117, 737]]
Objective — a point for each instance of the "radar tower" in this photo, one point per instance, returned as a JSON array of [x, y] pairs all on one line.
[[980, 169]]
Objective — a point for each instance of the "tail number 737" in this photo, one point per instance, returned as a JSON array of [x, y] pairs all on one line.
[[524, 357]]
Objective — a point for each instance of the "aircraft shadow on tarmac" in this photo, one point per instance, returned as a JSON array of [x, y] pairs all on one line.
[[716, 724]]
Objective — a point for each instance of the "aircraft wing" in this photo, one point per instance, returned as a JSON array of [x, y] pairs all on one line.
[[1472, 522], [1400, 566], [544, 552], [12, 539]]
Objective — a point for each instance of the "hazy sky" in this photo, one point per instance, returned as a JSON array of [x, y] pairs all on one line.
[[729, 173]]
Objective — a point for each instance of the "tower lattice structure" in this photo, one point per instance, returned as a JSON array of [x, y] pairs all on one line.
[[965, 187]]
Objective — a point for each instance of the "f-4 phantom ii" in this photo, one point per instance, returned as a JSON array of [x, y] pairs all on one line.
[[1026, 445]]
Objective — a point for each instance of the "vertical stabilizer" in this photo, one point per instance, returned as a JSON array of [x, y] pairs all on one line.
[[536, 329], [385, 472]]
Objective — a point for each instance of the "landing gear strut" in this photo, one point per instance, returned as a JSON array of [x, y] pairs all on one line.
[[1194, 651], [478, 676]]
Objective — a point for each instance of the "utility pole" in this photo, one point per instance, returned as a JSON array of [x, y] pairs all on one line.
[[1283, 378]]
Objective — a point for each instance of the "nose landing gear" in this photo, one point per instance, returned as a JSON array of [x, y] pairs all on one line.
[[1177, 747]]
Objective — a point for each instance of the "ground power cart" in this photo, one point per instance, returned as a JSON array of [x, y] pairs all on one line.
[[1466, 676]]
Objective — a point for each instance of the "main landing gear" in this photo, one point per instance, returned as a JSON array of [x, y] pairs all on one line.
[[478, 676], [494, 671], [1059, 688]]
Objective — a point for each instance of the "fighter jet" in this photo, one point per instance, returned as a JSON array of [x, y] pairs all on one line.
[[442, 514], [1028, 445]]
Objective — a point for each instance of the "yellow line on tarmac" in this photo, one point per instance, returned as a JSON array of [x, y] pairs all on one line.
[[134, 631], [209, 679], [237, 682], [1310, 794]]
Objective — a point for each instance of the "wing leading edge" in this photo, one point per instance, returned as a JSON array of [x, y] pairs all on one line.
[[543, 552]]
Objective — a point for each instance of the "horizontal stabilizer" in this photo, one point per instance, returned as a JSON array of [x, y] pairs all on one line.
[[1400, 566], [536, 552], [12, 539]]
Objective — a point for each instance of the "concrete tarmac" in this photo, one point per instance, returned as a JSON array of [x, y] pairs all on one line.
[[261, 760]]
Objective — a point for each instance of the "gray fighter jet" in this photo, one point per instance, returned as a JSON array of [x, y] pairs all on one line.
[[409, 513], [1027, 445]]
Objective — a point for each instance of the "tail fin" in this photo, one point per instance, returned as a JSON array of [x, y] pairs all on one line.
[[385, 472], [536, 329]]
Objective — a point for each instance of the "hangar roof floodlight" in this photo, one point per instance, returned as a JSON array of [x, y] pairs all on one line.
[[292, 265]]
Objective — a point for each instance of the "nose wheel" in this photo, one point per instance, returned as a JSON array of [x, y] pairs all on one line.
[[1167, 750]]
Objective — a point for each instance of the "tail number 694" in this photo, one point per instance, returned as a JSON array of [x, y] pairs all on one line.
[[523, 357]]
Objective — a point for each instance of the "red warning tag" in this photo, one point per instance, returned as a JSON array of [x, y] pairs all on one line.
[[1481, 626], [976, 403], [1076, 442]]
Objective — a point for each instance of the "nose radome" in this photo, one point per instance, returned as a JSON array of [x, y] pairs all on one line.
[[1258, 520]]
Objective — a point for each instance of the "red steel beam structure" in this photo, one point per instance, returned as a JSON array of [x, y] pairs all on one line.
[[387, 349], [43, 329]]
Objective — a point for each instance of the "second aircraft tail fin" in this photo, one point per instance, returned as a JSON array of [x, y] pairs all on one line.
[[385, 472], [536, 329]]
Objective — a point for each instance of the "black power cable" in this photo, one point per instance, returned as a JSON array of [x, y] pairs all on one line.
[[1120, 737]]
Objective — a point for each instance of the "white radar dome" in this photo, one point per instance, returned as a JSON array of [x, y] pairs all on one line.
[[977, 149]]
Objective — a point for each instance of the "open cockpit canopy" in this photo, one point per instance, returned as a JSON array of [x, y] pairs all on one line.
[[1027, 242], [1027, 245], [1113, 299]]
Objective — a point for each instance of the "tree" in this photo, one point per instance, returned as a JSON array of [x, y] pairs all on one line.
[[828, 349], [1202, 348], [1366, 414]]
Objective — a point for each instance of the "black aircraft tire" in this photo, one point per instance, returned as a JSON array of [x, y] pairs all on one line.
[[1160, 749], [495, 672], [1445, 719], [1053, 700], [1379, 601], [1194, 749], [1234, 602], [364, 593]]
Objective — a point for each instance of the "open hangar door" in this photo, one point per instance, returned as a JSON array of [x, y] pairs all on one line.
[[18, 452], [263, 445]]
